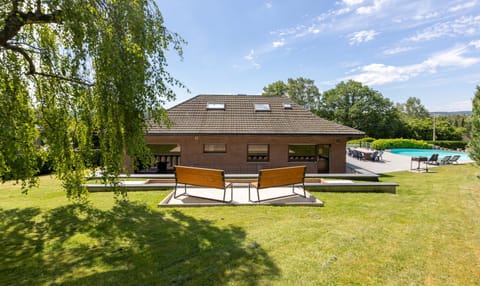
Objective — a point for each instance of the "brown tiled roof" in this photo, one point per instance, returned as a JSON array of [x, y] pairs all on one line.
[[240, 117]]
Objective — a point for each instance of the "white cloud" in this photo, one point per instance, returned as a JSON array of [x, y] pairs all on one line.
[[462, 6], [397, 50], [362, 37], [280, 43], [377, 5], [451, 57], [462, 26], [476, 44], [352, 2], [426, 16], [251, 58], [378, 74], [268, 4]]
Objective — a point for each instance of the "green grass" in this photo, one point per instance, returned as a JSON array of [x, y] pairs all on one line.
[[426, 234]]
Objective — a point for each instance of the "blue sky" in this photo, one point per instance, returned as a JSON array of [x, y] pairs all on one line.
[[426, 49]]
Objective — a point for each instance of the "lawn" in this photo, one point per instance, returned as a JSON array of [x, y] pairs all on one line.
[[426, 234]]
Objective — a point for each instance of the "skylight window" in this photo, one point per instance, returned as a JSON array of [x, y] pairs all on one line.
[[262, 107], [215, 106]]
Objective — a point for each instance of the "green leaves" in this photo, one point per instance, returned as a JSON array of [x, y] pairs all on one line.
[[302, 91], [98, 67], [474, 145], [18, 152], [358, 106]]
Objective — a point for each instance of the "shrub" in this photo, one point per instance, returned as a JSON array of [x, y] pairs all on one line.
[[382, 144], [450, 144]]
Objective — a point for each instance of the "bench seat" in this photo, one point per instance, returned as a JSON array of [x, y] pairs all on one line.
[[279, 177], [201, 177]]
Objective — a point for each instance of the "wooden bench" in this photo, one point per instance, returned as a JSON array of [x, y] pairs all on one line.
[[201, 177], [279, 177]]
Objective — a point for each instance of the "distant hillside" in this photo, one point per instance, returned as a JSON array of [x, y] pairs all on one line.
[[451, 113]]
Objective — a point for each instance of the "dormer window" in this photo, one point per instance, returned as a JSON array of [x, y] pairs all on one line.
[[262, 107], [287, 106], [215, 106]]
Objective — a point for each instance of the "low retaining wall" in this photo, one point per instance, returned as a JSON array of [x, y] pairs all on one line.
[[313, 182]]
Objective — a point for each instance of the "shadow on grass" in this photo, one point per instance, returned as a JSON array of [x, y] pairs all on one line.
[[128, 245]]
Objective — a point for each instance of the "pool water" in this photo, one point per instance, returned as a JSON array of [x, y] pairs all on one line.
[[428, 153]]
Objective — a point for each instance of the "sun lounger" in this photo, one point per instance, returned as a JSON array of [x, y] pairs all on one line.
[[201, 177], [433, 160], [279, 177], [453, 159], [445, 160]]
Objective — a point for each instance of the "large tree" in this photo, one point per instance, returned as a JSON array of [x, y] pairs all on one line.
[[474, 145], [301, 90], [413, 108], [358, 106], [71, 69]]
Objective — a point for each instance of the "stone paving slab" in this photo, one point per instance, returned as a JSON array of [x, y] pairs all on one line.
[[210, 197], [390, 163]]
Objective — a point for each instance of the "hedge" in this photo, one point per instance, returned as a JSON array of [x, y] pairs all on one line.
[[382, 144], [453, 145]]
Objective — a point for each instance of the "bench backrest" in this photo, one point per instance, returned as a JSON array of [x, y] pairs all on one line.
[[281, 176], [201, 177]]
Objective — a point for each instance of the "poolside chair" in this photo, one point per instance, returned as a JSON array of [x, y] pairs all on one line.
[[433, 160], [358, 154], [350, 152], [453, 159], [445, 160], [377, 155]]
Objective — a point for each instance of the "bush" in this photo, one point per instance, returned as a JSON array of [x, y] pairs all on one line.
[[454, 145], [382, 144]]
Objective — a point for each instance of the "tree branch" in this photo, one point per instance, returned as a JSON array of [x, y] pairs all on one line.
[[73, 80], [15, 21]]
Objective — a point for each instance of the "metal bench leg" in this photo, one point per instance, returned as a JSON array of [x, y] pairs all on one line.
[[175, 192], [225, 193]]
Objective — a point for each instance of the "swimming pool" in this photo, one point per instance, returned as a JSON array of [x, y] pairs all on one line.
[[428, 153]]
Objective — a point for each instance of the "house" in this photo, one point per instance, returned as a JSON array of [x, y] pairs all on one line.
[[245, 133]]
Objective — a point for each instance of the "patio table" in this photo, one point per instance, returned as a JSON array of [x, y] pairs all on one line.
[[419, 160]]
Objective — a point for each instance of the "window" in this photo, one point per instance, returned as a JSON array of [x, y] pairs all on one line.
[[214, 148], [262, 107], [165, 149], [287, 106], [257, 153], [215, 106], [302, 153]]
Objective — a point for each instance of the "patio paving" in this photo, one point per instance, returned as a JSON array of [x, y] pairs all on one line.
[[391, 163], [210, 197]]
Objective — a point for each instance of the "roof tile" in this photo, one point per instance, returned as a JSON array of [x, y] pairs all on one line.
[[240, 117]]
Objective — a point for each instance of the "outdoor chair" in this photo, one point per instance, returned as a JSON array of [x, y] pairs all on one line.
[[279, 177], [445, 160], [453, 159], [433, 160], [201, 177], [350, 152], [358, 154], [379, 156]]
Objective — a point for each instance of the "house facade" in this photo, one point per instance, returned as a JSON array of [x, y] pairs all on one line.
[[246, 133]]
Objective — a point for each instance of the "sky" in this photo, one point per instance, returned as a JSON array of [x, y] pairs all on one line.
[[424, 49]]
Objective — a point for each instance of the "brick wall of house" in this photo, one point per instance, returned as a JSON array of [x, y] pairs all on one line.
[[234, 160]]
